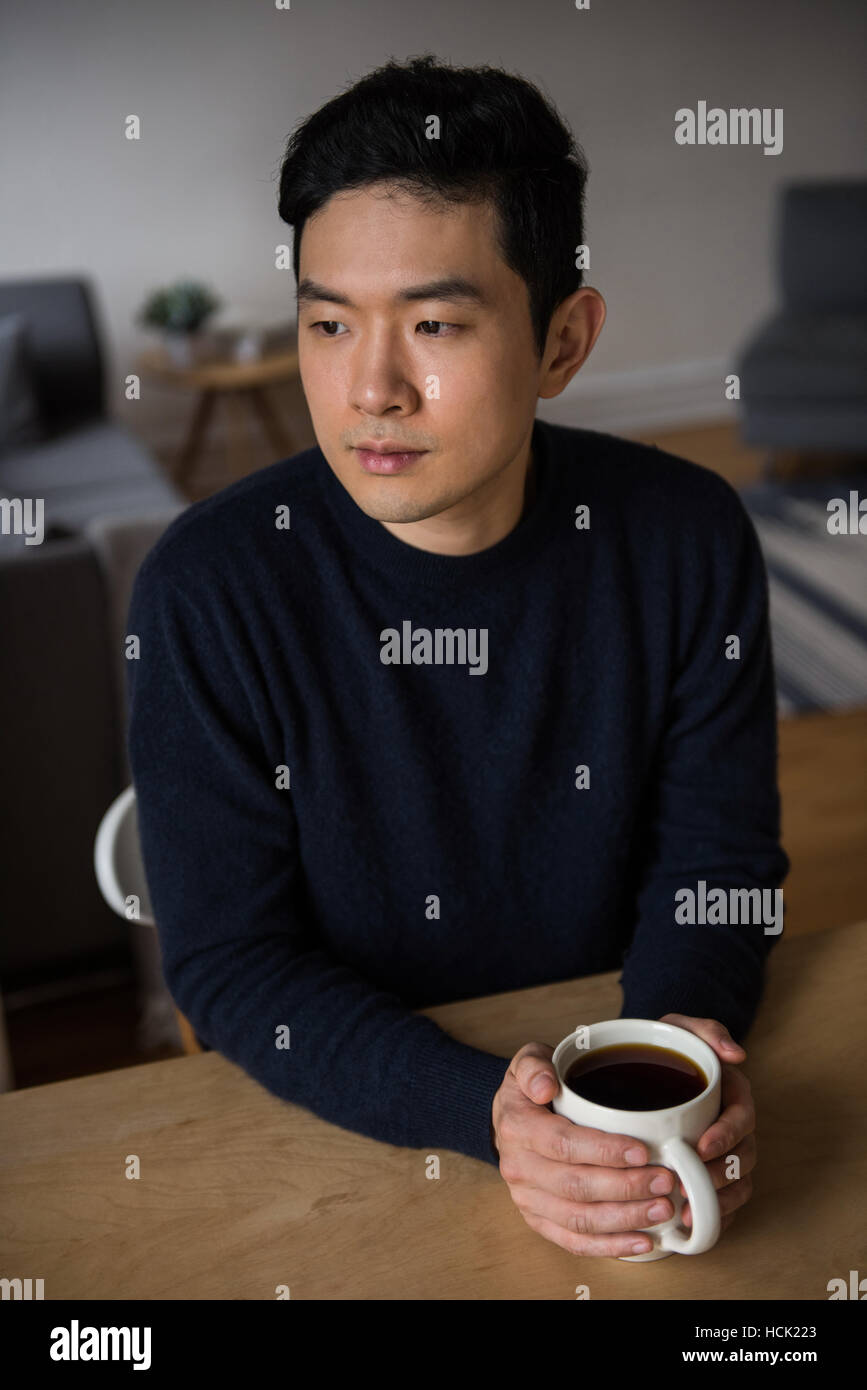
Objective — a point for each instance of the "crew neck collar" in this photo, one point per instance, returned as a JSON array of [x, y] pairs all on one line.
[[410, 564]]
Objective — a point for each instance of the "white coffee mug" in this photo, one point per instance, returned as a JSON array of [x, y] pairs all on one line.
[[669, 1135]]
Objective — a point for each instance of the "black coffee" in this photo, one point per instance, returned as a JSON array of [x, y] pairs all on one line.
[[635, 1076]]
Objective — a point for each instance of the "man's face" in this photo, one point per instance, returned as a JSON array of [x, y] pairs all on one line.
[[450, 375]]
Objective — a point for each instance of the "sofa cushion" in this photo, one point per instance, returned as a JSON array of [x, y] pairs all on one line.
[[91, 471], [813, 356], [19, 411], [98, 452]]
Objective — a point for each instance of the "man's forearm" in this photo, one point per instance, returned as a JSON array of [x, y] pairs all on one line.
[[357, 1057]]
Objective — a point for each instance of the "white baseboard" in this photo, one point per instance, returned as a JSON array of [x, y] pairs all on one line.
[[646, 398]]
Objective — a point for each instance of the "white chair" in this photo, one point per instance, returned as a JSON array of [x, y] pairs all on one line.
[[120, 873], [117, 860]]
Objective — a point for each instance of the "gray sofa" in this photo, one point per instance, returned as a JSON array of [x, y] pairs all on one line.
[[63, 604]]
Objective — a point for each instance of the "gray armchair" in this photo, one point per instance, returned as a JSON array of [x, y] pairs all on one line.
[[804, 372]]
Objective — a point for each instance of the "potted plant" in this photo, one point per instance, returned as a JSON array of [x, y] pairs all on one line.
[[179, 311]]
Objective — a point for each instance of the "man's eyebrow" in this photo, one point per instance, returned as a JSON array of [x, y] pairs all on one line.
[[310, 290], [451, 288]]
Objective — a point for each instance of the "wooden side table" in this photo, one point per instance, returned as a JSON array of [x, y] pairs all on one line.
[[231, 380]]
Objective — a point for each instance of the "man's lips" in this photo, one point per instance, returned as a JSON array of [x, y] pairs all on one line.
[[388, 458]]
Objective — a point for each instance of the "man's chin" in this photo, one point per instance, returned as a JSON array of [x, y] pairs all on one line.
[[397, 499], [396, 511]]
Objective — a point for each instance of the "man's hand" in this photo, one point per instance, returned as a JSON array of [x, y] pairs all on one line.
[[590, 1191], [733, 1131], [582, 1188]]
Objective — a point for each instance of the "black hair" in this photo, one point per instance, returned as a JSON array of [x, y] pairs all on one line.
[[500, 139]]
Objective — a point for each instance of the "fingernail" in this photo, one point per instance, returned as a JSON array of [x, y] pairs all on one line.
[[658, 1211], [661, 1185], [539, 1085], [715, 1149], [634, 1156], [640, 1247]]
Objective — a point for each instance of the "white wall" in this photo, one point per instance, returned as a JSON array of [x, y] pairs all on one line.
[[681, 238]]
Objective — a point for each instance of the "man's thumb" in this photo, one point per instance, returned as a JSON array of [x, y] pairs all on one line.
[[535, 1073]]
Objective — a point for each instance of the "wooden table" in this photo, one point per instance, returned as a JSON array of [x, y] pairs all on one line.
[[822, 761], [233, 381], [240, 1192]]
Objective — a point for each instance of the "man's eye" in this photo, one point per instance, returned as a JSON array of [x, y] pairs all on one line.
[[434, 324], [325, 324]]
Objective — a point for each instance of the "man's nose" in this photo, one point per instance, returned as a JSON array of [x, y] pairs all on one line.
[[381, 379]]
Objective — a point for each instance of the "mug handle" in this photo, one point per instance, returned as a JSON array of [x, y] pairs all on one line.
[[701, 1195]]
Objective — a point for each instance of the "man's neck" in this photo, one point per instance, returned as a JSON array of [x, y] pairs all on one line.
[[530, 486]]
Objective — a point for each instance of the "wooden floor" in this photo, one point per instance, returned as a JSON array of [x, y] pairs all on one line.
[[823, 759], [230, 454], [221, 463], [714, 446]]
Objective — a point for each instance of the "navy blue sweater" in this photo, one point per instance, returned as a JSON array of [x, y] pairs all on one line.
[[336, 834]]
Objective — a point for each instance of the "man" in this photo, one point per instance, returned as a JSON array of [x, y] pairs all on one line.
[[447, 706]]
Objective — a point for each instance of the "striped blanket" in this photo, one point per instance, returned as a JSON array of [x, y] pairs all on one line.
[[817, 592]]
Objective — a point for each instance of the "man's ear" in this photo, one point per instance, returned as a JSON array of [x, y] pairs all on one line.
[[572, 333]]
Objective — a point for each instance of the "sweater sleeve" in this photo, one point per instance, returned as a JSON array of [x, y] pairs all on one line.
[[241, 955], [713, 810]]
